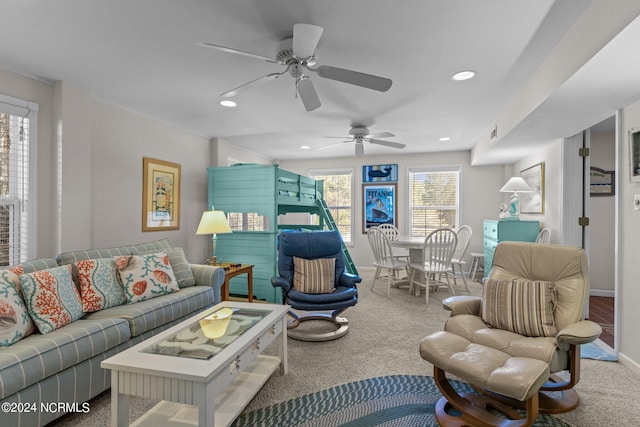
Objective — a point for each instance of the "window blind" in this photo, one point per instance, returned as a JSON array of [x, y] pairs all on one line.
[[338, 194], [433, 199]]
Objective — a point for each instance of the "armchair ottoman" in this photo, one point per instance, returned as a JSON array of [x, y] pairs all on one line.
[[510, 343]]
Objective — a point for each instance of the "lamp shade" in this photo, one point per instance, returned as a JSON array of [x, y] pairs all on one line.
[[516, 185], [213, 222]]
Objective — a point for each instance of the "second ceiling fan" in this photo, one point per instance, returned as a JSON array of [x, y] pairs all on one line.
[[297, 55], [360, 135]]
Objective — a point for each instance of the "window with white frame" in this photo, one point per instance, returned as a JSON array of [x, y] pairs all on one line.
[[434, 199], [17, 125], [338, 194]]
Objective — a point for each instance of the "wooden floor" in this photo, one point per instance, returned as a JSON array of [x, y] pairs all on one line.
[[601, 311]]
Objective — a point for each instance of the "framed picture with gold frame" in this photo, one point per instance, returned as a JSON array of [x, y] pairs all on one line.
[[533, 202], [160, 195]]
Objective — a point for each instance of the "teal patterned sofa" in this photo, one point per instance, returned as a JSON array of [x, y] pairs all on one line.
[[42, 377]]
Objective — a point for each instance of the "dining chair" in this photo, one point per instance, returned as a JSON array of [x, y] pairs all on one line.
[[436, 261], [457, 260], [544, 237], [392, 233], [384, 259]]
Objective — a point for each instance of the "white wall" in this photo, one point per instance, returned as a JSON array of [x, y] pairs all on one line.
[[629, 291], [479, 188], [89, 166], [602, 219]]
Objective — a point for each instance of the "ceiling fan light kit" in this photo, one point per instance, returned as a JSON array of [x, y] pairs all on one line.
[[297, 55]]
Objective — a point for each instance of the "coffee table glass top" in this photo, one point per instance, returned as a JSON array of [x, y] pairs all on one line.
[[209, 335]]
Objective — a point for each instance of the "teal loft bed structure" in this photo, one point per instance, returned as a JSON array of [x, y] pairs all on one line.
[[254, 197]]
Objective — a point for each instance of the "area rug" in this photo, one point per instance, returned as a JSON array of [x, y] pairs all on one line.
[[598, 350], [397, 400]]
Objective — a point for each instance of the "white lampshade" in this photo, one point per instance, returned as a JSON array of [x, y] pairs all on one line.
[[516, 185], [213, 222]]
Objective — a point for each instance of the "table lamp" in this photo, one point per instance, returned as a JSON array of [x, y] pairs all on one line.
[[515, 185], [213, 222]]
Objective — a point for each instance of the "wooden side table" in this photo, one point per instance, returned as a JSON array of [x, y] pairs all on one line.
[[233, 271]]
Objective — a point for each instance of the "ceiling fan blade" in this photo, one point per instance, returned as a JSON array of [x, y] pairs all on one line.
[[387, 143], [381, 135], [331, 145], [359, 149], [237, 52], [354, 77], [244, 87], [308, 94], [305, 40]]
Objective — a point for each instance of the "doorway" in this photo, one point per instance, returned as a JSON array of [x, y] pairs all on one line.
[[599, 206]]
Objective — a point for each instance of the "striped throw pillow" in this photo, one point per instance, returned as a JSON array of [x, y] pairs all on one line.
[[523, 307], [314, 276]]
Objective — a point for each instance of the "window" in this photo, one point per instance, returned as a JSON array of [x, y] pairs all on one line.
[[338, 191], [434, 199], [247, 221], [17, 122]]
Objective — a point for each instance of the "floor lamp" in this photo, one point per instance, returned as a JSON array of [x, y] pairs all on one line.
[[213, 222]]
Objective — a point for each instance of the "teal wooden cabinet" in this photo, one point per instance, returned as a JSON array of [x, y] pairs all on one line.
[[500, 231]]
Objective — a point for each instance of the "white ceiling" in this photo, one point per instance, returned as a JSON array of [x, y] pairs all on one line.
[[142, 55]]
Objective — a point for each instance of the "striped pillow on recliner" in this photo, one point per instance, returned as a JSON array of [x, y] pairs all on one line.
[[314, 276]]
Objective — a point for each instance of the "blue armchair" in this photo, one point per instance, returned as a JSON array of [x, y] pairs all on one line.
[[316, 306]]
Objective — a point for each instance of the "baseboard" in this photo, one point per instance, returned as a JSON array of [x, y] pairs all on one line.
[[602, 293], [632, 365]]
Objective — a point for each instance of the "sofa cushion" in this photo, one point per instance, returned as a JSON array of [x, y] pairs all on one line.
[[15, 322], [147, 315], [314, 276], [40, 356], [99, 284], [523, 307], [146, 276], [51, 298], [181, 268]]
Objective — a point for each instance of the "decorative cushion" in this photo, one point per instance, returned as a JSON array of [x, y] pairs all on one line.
[[51, 297], [181, 268], [314, 276], [523, 307], [146, 276], [99, 284], [15, 322]]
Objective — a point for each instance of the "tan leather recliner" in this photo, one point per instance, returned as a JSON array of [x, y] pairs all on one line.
[[567, 268]]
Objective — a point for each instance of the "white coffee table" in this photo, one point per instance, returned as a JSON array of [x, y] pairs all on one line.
[[205, 369]]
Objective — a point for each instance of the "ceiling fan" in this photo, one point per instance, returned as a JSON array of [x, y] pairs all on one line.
[[297, 55], [360, 135]]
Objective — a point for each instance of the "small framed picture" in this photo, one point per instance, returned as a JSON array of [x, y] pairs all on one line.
[[160, 195], [380, 173], [533, 202]]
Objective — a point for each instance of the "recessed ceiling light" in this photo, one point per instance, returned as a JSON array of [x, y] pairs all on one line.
[[228, 103], [463, 75], [445, 138], [305, 147]]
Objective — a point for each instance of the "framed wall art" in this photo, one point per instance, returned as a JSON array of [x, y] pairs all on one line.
[[380, 173], [379, 205], [601, 182], [634, 154], [533, 202], [160, 195]]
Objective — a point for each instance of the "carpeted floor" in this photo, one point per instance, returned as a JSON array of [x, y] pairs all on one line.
[[383, 340]]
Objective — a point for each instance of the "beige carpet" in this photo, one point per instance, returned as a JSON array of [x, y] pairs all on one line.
[[383, 340]]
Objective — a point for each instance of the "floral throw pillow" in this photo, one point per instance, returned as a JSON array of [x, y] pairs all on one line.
[[146, 276], [51, 297], [15, 322], [99, 284]]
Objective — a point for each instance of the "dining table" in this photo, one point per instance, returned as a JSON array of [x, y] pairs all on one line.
[[415, 245]]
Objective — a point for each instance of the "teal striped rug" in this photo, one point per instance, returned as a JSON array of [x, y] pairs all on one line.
[[391, 401]]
